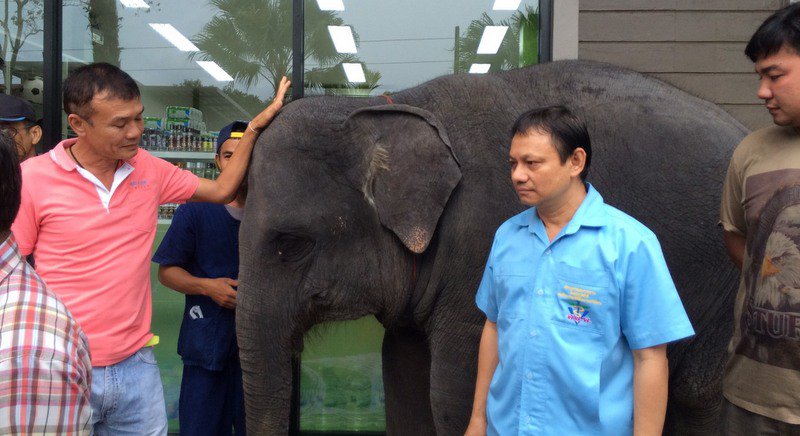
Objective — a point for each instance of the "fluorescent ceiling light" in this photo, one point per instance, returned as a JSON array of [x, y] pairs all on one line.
[[216, 71], [136, 4], [175, 38], [330, 5], [491, 39], [342, 37], [506, 5], [479, 68], [354, 72]]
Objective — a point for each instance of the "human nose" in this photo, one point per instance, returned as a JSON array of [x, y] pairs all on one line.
[[764, 91], [135, 130], [518, 175]]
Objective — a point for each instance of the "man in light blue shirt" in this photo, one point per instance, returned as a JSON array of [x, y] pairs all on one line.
[[578, 299]]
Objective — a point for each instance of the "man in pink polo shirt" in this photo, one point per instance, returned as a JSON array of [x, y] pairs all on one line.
[[88, 215]]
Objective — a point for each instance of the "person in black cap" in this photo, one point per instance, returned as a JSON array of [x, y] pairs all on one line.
[[18, 120], [199, 257]]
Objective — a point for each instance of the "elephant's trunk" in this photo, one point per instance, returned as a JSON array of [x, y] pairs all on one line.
[[265, 352]]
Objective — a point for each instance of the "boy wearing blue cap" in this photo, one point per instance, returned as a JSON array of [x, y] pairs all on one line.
[[199, 257], [18, 121]]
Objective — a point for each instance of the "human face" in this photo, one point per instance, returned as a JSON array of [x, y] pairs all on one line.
[[538, 175], [779, 76], [26, 135], [225, 153], [113, 129]]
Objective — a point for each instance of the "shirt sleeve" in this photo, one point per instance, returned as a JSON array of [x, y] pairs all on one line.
[[732, 217], [177, 185], [651, 312], [178, 246], [486, 298], [26, 225]]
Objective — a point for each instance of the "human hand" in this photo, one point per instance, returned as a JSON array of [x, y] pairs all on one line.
[[477, 427], [263, 119], [221, 291]]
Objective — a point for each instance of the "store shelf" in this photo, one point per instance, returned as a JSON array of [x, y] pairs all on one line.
[[185, 155]]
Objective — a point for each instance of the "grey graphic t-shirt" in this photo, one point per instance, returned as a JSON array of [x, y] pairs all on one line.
[[761, 200]]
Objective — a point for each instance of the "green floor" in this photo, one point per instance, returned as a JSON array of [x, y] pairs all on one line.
[[341, 385]]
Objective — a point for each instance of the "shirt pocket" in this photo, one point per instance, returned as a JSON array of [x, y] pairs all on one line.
[[513, 282], [141, 208], [581, 298]]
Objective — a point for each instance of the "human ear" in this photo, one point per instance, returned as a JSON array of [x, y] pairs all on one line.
[[36, 134], [77, 124], [577, 162]]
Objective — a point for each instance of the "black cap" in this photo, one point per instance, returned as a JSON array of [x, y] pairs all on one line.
[[230, 131], [15, 109]]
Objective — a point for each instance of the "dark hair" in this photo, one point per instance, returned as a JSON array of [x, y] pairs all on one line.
[[83, 84], [567, 131], [10, 182], [781, 28]]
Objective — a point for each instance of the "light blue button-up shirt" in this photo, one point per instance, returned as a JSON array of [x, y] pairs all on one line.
[[568, 313]]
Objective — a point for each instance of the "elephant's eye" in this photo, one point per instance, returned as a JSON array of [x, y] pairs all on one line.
[[291, 248]]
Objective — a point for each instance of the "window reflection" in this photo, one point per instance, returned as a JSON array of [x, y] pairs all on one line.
[[21, 25], [401, 44]]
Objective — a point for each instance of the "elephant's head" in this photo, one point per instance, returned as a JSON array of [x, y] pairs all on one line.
[[341, 199]]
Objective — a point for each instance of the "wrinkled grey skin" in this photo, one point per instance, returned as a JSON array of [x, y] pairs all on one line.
[[360, 207]]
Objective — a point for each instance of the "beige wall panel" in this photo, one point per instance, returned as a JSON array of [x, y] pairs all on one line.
[[752, 116], [668, 57], [669, 26], [668, 5], [721, 88]]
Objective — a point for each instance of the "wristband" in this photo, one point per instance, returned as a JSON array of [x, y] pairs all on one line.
[[251, 128]]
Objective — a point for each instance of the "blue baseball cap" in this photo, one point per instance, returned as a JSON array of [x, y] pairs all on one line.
[[233, 130], [14, 109]]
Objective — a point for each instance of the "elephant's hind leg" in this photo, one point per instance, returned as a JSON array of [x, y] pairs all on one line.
[[406, 381]]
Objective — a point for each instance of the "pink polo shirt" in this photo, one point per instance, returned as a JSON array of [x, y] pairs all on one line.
[[97, 258]]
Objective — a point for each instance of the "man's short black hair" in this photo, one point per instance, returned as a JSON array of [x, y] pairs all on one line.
[[781, 28], [83, 84], [10, 182], [567, 131]]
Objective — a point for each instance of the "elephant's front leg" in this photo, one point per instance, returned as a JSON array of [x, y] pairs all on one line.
[[406, 375], [454, 356]]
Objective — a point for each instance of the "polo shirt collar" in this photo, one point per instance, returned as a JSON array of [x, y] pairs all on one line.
[[9, 256], [60, 157], [589, 214], [59, 154]]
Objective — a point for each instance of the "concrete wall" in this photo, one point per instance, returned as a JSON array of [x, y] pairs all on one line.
[[696, 45]]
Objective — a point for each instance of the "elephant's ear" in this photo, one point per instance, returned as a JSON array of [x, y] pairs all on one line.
[[412, 169]]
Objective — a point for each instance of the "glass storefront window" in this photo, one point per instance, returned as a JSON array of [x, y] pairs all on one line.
[[386, 46], [22, 25], [220, 57]]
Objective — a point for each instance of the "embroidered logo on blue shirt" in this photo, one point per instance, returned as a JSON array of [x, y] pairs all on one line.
[[579, 313]]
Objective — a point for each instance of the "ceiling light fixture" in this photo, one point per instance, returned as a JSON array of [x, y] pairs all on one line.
[[354, 72], [330, 5], [506, 5], [479, 68], [174, 37], [215, 70], [342, 37], [135, 4], [491, 39]]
